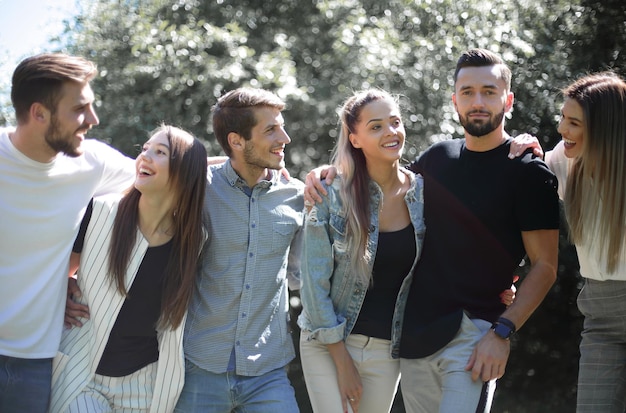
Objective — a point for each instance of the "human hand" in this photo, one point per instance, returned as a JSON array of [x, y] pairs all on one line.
[[348, 377], [74, 310], [313, 184], [522, 142], [508, 296], [489, 358]]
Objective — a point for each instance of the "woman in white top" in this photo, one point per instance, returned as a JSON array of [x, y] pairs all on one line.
[[590, 164], [138, 258]]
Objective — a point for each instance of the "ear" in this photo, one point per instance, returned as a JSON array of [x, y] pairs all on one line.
[[510, 98], [236, 142], [39, 113], [454, 101], [354, 140]]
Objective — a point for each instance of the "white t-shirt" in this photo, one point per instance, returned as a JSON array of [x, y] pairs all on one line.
[[592, 262], [41, 207]]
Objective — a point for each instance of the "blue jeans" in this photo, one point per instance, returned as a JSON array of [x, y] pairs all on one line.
[[208, 392], [24, 384]]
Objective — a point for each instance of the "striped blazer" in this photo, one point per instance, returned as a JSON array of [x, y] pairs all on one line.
[[81, 348]]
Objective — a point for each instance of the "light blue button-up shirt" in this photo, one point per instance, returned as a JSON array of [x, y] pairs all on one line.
[[240, 304]]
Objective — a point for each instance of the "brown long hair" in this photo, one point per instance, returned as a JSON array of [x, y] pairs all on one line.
[[596, 184], [188, 166]]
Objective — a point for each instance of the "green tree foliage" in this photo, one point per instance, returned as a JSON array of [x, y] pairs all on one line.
[[169, 61]]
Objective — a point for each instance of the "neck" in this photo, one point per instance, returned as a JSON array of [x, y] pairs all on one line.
[[251, 174], [487, 142], [32, 145], [388, 177], [156, 219]]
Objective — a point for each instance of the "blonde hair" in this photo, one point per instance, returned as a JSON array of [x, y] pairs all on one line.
[[596, 185], [354, 192]]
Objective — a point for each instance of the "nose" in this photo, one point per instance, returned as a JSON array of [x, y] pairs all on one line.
[[92, 117], [284, 137]]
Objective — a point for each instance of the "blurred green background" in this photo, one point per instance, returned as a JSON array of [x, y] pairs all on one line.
[[169, 61]]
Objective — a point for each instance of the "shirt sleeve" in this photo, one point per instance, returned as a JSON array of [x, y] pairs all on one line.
[[317, 270], [537, 203]]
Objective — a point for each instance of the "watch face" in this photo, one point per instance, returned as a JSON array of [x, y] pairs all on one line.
[[502, 331]]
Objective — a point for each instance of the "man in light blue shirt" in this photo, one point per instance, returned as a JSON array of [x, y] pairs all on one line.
[[237, 338]]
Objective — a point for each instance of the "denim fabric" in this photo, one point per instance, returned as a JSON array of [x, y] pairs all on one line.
[[24, 384], [332, 294], [207, 392]]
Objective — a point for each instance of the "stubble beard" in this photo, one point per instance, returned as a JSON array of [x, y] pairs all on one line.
[[60, 142], [478, 129]]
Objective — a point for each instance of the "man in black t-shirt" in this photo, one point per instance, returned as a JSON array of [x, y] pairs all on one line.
[[483, 213]]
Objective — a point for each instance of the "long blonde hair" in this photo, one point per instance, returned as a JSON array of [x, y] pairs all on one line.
[[596, 185], [351, 165]]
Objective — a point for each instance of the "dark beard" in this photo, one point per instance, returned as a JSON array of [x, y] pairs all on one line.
[[60, 143], [482, 129]]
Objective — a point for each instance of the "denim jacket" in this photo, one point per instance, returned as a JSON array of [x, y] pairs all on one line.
[[331, 293]]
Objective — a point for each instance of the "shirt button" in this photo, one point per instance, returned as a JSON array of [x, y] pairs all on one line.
[[243, 314]]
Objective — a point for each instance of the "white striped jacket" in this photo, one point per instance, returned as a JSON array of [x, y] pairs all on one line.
[[81, 348]]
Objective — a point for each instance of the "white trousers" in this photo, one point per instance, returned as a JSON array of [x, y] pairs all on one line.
[[126, 394], [440, 383], [372, 357]]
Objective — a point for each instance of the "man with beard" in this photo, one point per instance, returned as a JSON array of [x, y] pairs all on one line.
[[483, 212], [48, 174], [237, 339]]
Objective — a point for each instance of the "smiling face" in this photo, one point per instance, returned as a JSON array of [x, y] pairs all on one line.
[[379, 131], [268, 138], [572, 128], [481, 99], [153, 164], [74, 116]]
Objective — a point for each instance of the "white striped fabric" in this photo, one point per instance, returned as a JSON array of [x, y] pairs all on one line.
[[81, 348]]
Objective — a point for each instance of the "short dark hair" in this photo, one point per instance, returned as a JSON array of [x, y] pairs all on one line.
[[480, 58], [40, 78], [234, 112]]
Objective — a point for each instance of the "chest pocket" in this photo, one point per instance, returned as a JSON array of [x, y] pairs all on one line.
[[282, 235]]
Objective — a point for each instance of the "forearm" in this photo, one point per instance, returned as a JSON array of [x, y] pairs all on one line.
[[531, 293]]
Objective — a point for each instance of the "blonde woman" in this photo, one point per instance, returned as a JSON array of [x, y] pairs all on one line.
[[590, 164], [361, 245]]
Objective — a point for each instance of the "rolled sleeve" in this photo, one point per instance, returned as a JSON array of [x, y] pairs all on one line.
[[319, 319]]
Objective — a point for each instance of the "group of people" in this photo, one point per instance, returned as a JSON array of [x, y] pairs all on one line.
[[180, 268]]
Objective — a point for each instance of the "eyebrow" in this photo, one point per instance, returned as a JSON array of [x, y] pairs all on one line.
[[570, 117]]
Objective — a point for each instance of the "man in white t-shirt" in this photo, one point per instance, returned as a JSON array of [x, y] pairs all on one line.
[[48, 174]]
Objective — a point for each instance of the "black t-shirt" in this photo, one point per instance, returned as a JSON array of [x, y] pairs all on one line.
[[476, 204], [133, 342], [394, 257]]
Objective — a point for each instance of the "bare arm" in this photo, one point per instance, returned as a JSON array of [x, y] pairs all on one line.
[[488, 361], [348, 378], [74, 310], [313, 183]]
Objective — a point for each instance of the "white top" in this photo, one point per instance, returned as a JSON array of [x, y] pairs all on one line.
[[41, 208], [81, 349], [592, 262]]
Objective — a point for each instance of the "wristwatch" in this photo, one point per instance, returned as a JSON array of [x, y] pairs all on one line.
[[503, 328]]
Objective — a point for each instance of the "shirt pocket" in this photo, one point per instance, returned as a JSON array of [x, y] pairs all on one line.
[[282, 235]]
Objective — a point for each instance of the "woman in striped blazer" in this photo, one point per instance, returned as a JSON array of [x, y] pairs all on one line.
[[136, 256]]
